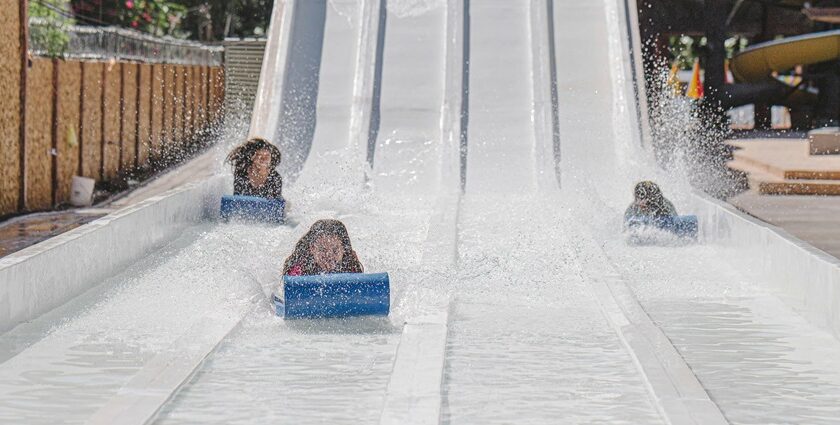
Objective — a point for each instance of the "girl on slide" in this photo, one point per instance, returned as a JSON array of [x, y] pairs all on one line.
[[255, 169], [649, 202], [324, 249]]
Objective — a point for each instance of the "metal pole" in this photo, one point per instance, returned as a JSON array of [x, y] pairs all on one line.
[[715, 27]]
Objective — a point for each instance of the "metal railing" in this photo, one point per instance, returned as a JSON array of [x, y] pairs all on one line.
[[85, 42]]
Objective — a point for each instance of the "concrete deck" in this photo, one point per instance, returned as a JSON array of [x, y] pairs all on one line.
[[788, 159], [777, 166], [814, 219], [784, 166], [21, 232]]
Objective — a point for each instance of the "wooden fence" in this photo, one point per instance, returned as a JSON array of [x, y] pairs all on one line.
[[94, 119]]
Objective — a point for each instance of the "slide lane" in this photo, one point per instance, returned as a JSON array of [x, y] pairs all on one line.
[[74, 359], [95, 345], [758, 360], [327, 168], [408, 142], [281, 369], [527, 336], [500, 155]]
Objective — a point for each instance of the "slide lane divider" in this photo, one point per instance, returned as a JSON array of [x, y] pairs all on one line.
[[414, 394], [268, 104], [441, 246], [414, 390], [140, 400], [364, 115], [544, 77], [679, 395], [460, 35]]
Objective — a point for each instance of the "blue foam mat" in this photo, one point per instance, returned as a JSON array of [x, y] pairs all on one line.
[[685, 225], [334, 295], [252, 208]]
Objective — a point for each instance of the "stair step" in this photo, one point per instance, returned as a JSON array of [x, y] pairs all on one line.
[[787, 160], [791, 174], [771, 184], [741, 156]]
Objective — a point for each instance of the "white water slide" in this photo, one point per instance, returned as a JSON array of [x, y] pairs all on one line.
[[481, 152]]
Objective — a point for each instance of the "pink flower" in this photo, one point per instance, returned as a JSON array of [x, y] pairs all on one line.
[[129, 4], [134, 24]]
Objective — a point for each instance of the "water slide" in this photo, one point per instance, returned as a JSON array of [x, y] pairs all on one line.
[[482, 153], [756, 64], [759, 61]]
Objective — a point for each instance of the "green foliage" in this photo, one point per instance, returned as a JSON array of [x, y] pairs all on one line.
[[685, 48], [157, 17], [214, 19], [206, 20], [50, 20]]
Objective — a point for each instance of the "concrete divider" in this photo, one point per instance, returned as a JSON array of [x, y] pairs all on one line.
[[805, 277], [415, 389], [545, 115], [268, 103], [44, 276]]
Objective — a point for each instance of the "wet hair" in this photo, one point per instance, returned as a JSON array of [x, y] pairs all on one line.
[[647, 191], [242, 156], [655, 202], [303, 257]]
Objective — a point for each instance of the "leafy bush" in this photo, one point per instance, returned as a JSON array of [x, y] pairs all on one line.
[[47, 32], [157, 17]]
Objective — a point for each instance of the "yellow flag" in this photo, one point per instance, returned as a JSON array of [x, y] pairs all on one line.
[[674, 79]]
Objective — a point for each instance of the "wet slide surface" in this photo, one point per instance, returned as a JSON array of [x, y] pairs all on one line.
[[529, 339], [758, 360], [320, 371], [74, 359]]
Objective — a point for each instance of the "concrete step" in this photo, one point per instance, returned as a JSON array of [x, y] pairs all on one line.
[[742, 158], [785, 172], [787, 160], [772, 184]]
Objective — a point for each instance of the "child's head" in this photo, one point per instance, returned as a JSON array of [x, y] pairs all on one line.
[[325, 248], [329, 243], [256, 153], [646, 191]]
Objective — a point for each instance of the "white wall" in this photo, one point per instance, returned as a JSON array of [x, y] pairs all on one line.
[[806, 278], [46, 275]]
